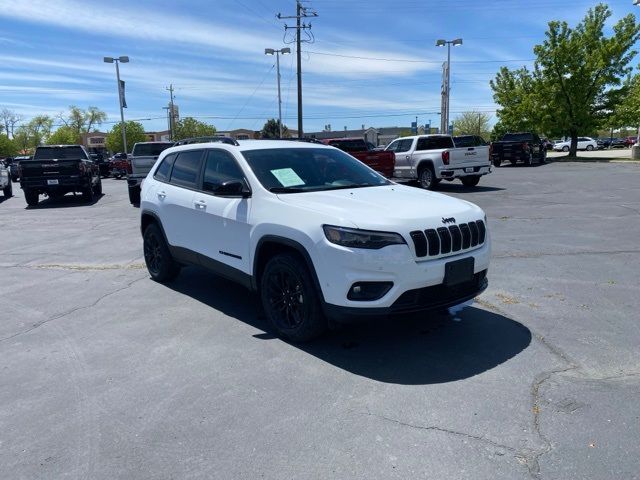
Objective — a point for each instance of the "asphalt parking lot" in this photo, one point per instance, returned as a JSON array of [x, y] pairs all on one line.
[[108, 375]]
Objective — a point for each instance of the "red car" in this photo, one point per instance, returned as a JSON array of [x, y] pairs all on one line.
[[383, 162], [630, 141]]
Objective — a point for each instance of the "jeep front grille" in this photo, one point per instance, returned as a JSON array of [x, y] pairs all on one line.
[[447, 240]]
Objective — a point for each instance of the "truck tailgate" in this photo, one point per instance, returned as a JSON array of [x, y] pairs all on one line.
[[49, 168], [469, 156], [383, 162], [142, 165]]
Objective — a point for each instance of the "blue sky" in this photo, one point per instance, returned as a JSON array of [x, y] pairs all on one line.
[[372, 62]]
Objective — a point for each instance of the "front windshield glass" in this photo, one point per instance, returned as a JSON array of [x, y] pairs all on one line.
[[294, 170]]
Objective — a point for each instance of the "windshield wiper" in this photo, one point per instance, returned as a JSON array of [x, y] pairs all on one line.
[[286, 190], [353, 185]]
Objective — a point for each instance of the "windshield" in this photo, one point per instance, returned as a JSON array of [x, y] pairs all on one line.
[[59, 153], [294, 170], [149, 149], [517, 137]]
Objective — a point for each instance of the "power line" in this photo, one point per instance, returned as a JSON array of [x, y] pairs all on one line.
[[404, 60]]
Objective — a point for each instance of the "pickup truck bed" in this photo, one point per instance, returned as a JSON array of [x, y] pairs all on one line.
[[380, 161]]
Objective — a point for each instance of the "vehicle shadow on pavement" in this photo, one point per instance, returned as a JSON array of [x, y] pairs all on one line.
[[409, 350], [65, 201]]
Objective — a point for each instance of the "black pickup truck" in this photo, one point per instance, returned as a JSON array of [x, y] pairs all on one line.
[[526, 147], [58, 169]]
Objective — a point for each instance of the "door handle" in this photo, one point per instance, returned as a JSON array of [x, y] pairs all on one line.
[[407, 157], [161, 195], [200, 204]]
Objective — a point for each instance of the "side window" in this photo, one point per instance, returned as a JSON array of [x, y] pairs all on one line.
[[404, 145], [220, 167], [186, 168], [393, 146], [164, 169]]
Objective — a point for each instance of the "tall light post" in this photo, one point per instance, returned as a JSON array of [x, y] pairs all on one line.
[[123, 59], [283, 51], [444, 123]]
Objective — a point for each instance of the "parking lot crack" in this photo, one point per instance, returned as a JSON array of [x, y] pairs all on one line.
[[447, 431], [73, 310]]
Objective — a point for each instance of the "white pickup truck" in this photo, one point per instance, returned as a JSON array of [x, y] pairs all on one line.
[[432, 158]]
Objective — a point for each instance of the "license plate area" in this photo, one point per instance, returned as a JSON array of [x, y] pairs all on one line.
[[458, 271], [52, 182], [469, 170]]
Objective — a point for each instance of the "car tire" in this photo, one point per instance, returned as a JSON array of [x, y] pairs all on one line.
[[8, 190], [497, 162], [87, 193], [31, 196], [589, 148], [470, 181], [290, 299], [134, 196], [98, 188], [565, 149], [160, 264], [427, 178]]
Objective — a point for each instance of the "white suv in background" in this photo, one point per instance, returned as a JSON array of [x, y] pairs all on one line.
[[584, 143], [318, 234]]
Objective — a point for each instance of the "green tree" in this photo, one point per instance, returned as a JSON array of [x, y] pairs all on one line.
[[577, 77], [7, 147], [472, 123], [39, 128], [82, 121], [135, 133], [9, 119], [271, 129], [189, 127], [22, 138], [64, 136]]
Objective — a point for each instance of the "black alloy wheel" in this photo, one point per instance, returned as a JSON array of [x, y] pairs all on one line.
[[290, 300], [157, 257]]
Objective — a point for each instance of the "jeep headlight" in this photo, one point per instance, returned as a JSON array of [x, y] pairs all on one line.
[[356, 238]]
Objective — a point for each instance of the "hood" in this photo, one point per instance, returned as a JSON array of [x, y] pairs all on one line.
[[387, 207]]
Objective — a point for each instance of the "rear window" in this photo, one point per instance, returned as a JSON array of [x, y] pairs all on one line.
[[469, 141], [349, 145], [434, 143], [59, 153], [517, 137], [150, 149]]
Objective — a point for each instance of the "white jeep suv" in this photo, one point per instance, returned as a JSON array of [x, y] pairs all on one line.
[[319, 235]]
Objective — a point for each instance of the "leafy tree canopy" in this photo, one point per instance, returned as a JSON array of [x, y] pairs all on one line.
[[134, 131], [271, 129], [472, 123], [576, 81], [64, 136], [189, 127], [7, 147]]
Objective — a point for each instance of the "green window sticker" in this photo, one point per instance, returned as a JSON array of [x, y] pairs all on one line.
[[287, 177]]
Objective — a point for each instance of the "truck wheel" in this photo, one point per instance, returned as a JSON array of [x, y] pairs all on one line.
[[98, 188], [160, 264], [31, 196], [134, 195], [470, 181], [87, 193], [496, 162], [8, 190], [290, 300], [427, 178]]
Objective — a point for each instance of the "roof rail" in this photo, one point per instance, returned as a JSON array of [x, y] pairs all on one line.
[[215, 138]]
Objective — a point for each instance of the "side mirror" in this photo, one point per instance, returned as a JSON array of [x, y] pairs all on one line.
[[232, 189]]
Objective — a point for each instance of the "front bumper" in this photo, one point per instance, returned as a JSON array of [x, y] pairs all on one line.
[[417, 284]]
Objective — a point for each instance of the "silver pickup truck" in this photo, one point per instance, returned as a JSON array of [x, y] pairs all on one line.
[[432, 158], [143, 157]]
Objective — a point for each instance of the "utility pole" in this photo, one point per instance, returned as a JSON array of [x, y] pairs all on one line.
[[301, 12], [172, 117]]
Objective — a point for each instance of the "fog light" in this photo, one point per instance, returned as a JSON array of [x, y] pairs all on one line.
[[363, 291]]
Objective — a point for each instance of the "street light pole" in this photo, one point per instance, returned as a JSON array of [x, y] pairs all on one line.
[[123, 59], [283, 51], [446, 109]]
